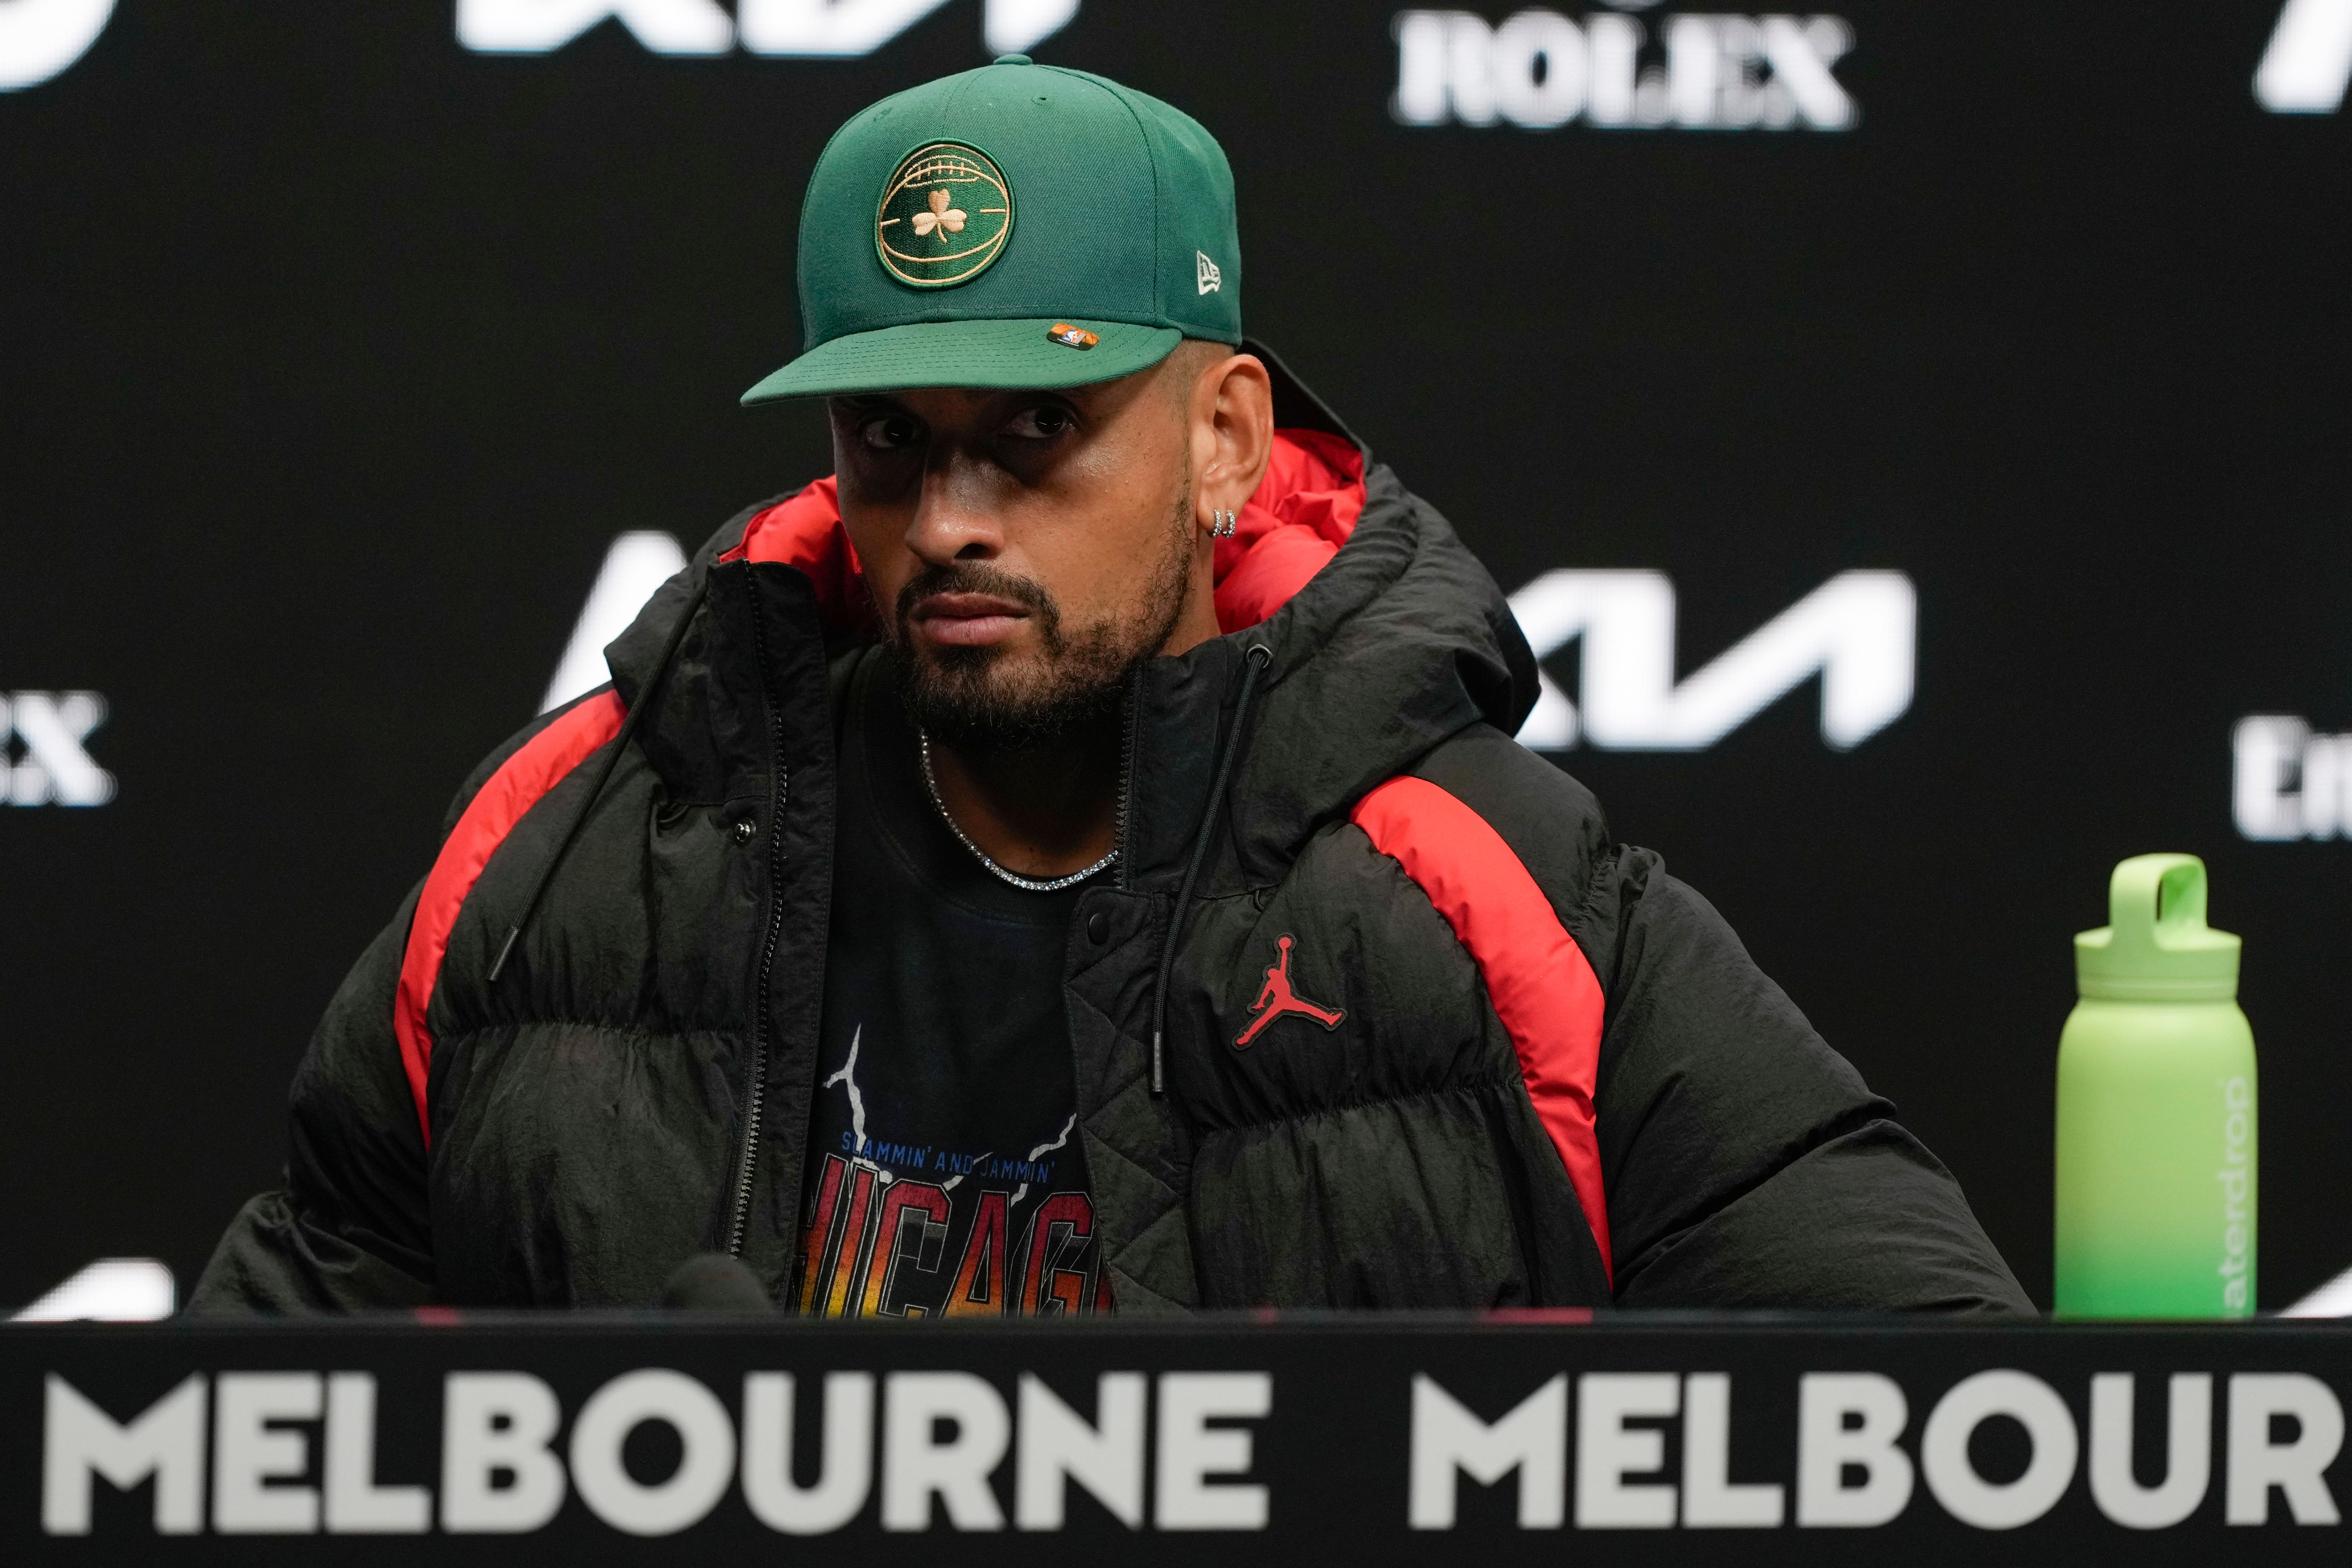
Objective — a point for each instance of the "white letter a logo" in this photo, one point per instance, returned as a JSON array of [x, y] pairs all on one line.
[[2309, 62], [635, 566], [39, 39]]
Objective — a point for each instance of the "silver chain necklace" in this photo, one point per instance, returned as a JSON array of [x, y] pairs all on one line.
[[1026, 884]]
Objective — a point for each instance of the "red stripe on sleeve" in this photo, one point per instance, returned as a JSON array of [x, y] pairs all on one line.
[[519, 784], [1538, 980]]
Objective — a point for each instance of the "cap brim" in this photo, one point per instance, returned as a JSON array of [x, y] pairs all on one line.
[[993, 355]]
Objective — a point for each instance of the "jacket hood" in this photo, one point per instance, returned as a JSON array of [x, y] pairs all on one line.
[[1387, 638]]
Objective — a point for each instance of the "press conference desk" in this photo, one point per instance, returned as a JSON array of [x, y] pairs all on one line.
[[597, 1438]]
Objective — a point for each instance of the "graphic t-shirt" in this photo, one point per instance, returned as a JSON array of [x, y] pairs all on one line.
[[944, 1174]]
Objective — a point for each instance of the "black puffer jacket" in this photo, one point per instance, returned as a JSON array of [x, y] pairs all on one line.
[[1556, 1079]]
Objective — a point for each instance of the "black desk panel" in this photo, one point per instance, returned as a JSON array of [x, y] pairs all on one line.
[[510, 1439]]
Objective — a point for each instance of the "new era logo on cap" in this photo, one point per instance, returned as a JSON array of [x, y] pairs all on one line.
[[1206, 274]]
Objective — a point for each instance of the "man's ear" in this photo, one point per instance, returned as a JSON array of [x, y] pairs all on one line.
[[1233, 432]]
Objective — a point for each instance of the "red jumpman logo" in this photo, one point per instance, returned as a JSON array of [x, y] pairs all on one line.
[[1277, 998]]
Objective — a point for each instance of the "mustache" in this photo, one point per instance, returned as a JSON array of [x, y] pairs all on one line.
[[975, 577]]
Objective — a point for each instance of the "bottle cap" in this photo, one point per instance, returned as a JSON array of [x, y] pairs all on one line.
[[2156, 946]]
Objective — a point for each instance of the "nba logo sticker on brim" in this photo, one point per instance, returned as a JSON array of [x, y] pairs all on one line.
[[1071, 337], [946, 215]]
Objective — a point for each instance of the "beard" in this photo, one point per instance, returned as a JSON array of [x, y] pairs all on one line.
[[986, 699]]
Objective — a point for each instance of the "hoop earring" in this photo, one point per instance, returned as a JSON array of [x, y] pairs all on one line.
[[1222, 523]]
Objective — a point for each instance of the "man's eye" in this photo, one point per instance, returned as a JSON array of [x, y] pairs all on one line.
[[889, 433], [1044, 422]]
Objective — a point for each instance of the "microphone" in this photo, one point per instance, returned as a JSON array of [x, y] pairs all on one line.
[[714, 1282]]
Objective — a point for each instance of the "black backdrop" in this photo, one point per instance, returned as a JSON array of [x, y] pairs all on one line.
[[333, 356]]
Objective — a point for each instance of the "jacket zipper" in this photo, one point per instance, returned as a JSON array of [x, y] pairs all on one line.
[[756, 1093], [1126, 780]]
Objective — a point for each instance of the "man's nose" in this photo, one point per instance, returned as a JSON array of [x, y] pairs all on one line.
[[955, 518]]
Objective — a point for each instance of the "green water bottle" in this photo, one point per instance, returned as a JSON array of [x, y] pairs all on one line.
[[2156, 1110]]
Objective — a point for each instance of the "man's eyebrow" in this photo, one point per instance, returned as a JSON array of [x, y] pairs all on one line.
[[865, 403]]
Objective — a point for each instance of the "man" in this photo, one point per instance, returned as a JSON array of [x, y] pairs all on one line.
[[1073, 859]]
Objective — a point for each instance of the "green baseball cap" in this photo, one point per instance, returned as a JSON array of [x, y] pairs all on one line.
[[1017, 225]]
